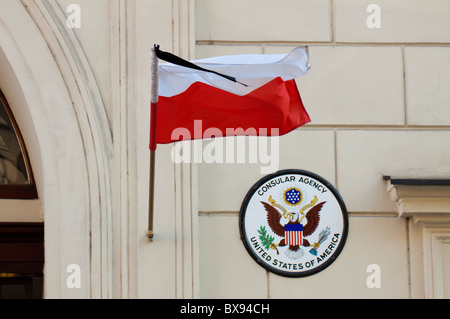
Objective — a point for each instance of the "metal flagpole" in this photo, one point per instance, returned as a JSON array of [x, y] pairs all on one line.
[[153, 112]]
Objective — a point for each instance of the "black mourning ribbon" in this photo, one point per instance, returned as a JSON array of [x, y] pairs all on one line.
[[171, 58]]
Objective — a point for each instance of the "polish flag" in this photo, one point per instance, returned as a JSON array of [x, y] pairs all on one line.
[[255, 93]]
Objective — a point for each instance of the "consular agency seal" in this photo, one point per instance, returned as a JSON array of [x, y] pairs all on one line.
[[293, 223]]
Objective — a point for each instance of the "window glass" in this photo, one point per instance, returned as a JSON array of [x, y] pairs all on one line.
[[13, 170]]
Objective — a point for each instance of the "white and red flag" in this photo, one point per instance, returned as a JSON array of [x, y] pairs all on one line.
[[238, 91], [252, 94]]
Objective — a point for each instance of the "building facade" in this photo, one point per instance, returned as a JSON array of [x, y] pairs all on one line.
[[75, 75]]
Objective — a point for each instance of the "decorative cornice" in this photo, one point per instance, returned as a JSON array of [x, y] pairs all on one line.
[[420, 196]]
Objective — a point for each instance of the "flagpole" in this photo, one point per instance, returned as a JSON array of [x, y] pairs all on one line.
[[153, 113], [151, 196]]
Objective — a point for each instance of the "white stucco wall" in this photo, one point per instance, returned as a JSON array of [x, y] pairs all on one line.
[[378, 106]]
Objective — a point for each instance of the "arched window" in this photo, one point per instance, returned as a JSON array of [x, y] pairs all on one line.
[[16, 178], [21, 241]]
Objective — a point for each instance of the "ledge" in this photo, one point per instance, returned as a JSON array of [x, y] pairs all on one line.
[[420, 196], [417, 181]]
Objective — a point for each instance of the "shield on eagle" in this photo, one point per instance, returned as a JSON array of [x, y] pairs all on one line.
[[293, 234]]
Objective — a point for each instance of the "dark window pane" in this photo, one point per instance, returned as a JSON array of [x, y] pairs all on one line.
[[13, 169]]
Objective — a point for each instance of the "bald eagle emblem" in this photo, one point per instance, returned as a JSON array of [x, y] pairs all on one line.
[[291, 224]]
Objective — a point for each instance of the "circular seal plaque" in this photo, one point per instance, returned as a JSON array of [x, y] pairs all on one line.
[[293, 223]]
